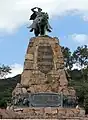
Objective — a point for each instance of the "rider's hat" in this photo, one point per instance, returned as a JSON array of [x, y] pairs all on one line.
[[39, 9]]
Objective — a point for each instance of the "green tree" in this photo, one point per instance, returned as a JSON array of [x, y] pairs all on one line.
[[5, 95], [4, 70], [3, 103], [79, 77], [80, 56], [67, 57]]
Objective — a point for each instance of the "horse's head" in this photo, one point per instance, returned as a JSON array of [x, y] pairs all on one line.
[[44, 19]]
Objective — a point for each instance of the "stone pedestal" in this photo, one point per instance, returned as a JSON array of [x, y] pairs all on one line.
[[43, 91], [44, 67], [43, 82]]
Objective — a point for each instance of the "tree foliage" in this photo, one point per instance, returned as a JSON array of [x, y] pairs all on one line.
[[4, 70], [67, 57], [79, 77], [80, 56]]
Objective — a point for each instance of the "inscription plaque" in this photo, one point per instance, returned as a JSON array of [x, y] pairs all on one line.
[[45, 58], [45, 100]]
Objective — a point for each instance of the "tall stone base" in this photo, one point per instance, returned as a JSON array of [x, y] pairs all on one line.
[[44, 67], [43, 81], [44, 87]]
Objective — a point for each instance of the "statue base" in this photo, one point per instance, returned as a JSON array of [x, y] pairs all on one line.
[[44, 85]]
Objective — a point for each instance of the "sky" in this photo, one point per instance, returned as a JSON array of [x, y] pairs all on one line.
[[68, 18]]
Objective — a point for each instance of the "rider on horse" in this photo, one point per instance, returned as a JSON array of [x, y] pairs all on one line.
[[36, 17]]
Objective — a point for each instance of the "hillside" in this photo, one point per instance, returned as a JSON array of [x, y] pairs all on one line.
[[6, 88]]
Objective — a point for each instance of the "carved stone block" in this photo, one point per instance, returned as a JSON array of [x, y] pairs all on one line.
[[29, 57], [28, 65]]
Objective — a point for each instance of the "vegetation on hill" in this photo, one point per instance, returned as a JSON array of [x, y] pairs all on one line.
[[79, 78], [4, 70], [6, 88]]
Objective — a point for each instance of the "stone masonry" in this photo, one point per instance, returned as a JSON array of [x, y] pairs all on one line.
[[44, 67], [44, 73]]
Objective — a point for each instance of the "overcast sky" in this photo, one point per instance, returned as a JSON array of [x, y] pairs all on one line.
[[68, 18]]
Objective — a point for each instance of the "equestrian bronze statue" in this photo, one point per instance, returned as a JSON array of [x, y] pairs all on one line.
[[40, 22]]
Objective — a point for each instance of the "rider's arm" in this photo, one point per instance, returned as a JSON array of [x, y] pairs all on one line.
[[33, 9]]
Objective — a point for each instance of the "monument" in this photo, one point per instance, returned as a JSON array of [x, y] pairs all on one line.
[[43, 81], [40, 22]]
